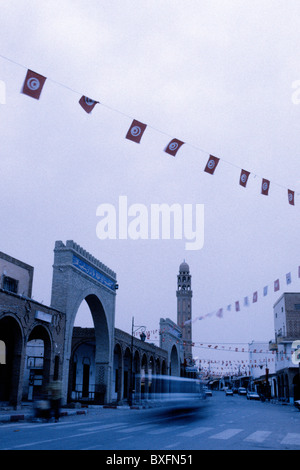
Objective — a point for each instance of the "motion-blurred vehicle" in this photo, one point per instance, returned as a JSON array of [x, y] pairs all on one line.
[[229, 392], [297, 404], [176, 394], [253, 396], [242, 391]]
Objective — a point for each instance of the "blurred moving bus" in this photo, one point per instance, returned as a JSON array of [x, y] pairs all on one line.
[[176, 393]]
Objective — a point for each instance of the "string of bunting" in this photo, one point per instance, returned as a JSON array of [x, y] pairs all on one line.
[[237, 305], [34, 84], [243, 349], [253, 362]]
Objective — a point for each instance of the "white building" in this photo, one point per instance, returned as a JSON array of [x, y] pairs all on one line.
[[260, 359], [262, 368]]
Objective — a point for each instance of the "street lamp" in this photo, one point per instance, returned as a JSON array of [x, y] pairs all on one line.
[[134, 329]]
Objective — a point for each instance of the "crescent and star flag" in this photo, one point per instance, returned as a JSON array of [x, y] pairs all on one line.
[[33, 84], [291, 196], [265, 186], [276, 285], [211, 164], [237, 306], [220, 313], [173, 147], [255, 297], [135, 131], [87, 104], [244, 177]]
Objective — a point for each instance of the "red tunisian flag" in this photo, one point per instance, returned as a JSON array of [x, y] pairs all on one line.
[[291, 196], [220, 315], [173, 147], [87, 104], [255, 297], [135, 131], [276, 285], [33, 84], [244, 177], [265, 186], [211, 164]]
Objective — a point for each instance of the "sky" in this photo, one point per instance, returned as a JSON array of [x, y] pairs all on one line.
[[219, 76]]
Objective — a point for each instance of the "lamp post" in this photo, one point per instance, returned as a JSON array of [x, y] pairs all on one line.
[[134, 329]]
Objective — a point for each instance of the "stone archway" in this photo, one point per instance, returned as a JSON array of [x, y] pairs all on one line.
[[126, 373], [136, 376], [78, 276], [38, 367], [11, 372], [174, 361], [117, 375]]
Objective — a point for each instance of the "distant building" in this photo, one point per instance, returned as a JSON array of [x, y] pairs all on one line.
[[262, 368], [260, 359], [171, 341]]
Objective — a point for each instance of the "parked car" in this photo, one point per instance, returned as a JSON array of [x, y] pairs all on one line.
[[253, 396], [208, 392], [242, 391], [229, 392]]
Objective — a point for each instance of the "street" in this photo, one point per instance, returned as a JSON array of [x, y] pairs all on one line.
[[228, 423]]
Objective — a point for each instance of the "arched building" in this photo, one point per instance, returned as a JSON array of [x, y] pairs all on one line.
[[39, 343], [24, 322], [136, 366]]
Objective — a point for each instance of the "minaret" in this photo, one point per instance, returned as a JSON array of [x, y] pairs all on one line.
[[184, 309]]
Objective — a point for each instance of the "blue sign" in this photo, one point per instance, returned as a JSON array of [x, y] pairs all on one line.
[[92, 272]]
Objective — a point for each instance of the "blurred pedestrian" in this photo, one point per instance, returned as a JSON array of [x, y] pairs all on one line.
[[55, 395]]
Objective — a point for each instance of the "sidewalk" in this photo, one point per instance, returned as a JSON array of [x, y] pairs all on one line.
[[27, 412]]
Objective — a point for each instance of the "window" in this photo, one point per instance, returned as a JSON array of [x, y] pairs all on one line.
[[2, 352], [297, 306], [10, 284]]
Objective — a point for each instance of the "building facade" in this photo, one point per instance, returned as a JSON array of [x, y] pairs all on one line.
[[262, 368], [25, 323], [137, 366], [287, 339]]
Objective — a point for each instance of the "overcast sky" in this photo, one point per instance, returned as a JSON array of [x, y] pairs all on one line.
[[218, 75]]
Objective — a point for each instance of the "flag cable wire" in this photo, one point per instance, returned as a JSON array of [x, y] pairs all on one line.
[[254, 175]]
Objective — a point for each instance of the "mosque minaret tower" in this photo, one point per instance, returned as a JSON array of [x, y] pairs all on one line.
[[184, 309]]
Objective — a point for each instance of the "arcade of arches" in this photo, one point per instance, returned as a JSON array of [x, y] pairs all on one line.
[[136, 364]]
